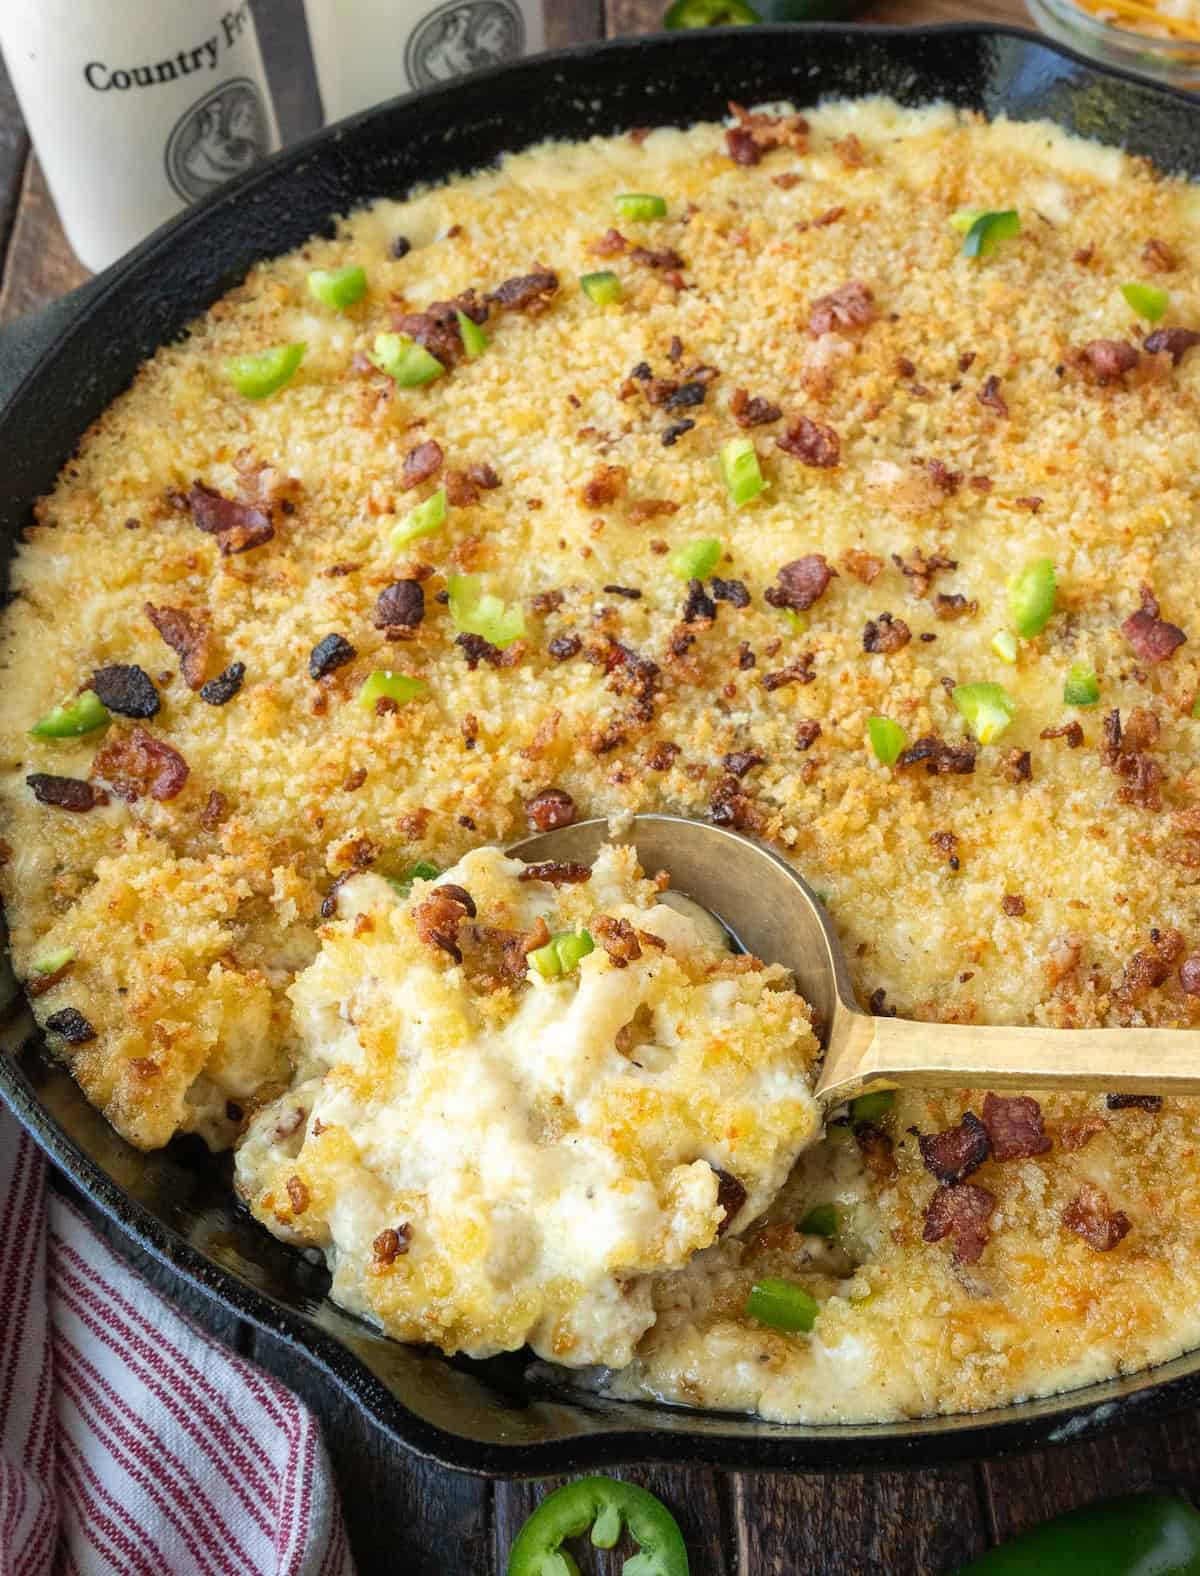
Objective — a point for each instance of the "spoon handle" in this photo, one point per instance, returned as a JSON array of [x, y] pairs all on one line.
[[865, 1050]]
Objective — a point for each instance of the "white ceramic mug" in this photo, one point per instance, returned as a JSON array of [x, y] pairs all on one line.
[[136, 107], [370, 50]]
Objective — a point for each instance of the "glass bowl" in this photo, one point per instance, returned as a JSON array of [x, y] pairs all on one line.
[[1172, 60]]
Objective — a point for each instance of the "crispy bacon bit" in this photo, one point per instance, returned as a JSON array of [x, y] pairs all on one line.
[[605, 486], [221, 690], [756, 134], [981, 484], [551, 808], [1013, 905], [1017, 765], [555, 873], [1091, 1217], [563, 647], [786, 180], [1133, 1102], [673, 433], [731, 591], [72, 1025], [752, 411], [437, 920], [851, 151], [543, 602], [390, 1244], [1108, 359], [1076, 1135], [663, 257], [808, 732], [187, 636], [662, 757], [938, 757], [739, 762], [943, 478], [1158, 256], [298, 1196], [729, 806], [862, 565], [885, 635], [1072, 732], [330, 652], [1189, 975], [743, 146], [629, 592], [126, 690], [1151, 637], [1031, 504], [649, 509], [611, 244], [731, 1195], [955, 1152], [1175, 341], [618, 939], [436, 328], [531, 293], [237, 526], [877, 1151], [421, 463], [812, 443], [699, 606], [921, 569], [400, 605], [476, 650], [1014, 1126], [801, 583], [953, 604], [136, 763], [797, 672], [65, 793], [991, 396], [216, 809], [846, 310], [962, 1211]]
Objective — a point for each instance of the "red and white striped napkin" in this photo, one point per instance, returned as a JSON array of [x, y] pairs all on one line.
[[130, 1443]]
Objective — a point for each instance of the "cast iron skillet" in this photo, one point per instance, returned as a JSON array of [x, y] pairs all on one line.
[[59, 373]]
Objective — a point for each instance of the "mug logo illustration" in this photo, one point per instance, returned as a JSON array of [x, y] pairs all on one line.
[[221, 135], [463, 36]]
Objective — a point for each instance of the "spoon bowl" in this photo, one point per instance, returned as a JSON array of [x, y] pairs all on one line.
[[772, 912]]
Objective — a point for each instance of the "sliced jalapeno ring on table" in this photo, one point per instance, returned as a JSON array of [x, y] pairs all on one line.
[[604, 1506], [1135, 1535], [709, 13]]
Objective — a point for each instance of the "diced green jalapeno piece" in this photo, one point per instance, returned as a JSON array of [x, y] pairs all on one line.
[[338, 287], [640, 205], [408, 364], [562, 953], [53, 961], [987, 230], [964, 218], [695, 560], [741, 471], [422, 520], [383, 685], [475, 341], [821, 1221], [1081, 687], [604, 288], [262, 373], [798, 621], [475, 611], [1148, 301], [870, 1107], [887, 738], [987, 709], [709, 13], [421, 871], [607, 1507], [83, 713], [1004, 644], [1031, 593], [782, 1304]]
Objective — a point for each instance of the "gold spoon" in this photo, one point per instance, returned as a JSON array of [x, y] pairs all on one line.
[[771, 911]]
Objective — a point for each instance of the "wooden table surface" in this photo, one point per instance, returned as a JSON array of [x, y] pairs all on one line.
[[405, 1516]]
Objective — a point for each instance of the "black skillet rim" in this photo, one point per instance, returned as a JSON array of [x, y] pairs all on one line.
[[1144, 1396]]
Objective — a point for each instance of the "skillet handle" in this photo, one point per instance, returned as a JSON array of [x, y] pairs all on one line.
[[24, 342]]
